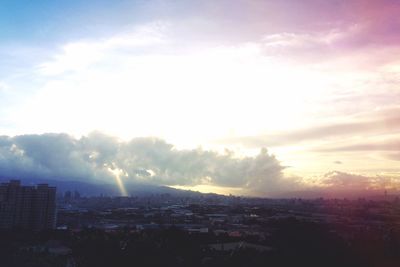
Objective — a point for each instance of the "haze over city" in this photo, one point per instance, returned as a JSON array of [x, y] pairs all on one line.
[[257, 98]]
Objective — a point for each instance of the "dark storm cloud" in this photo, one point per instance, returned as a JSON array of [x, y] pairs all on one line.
[[146, 160]]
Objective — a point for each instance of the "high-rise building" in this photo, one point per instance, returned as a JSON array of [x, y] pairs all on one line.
[[27, 207]]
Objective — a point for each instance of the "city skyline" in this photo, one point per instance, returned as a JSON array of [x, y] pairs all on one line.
[[242, 97]]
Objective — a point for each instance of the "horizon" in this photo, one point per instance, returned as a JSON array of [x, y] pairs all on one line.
[[255, 98]]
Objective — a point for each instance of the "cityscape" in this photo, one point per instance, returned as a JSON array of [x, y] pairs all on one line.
[[204, 133], [194, 229]]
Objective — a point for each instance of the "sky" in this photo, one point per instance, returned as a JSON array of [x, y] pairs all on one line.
[[243, 97]]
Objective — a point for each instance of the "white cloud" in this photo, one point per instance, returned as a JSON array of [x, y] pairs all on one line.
[[80, 55]]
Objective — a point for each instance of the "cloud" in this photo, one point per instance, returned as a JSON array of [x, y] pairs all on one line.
[[393, 156], [336, 180], [80, 55], [338, 162], [356, 33], [98, 157], [369, 124], [291, 30], [331, 42], [373, 145], [308, 46]]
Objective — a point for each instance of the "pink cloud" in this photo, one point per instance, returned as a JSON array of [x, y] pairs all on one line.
[[311, 31], [336, 180]]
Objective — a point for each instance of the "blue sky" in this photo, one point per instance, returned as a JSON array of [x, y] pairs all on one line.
[[48, 21]]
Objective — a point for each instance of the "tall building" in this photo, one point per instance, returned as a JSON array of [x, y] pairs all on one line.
[[27, 207]]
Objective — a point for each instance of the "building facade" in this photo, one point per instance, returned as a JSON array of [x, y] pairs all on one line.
[[27, 207]]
